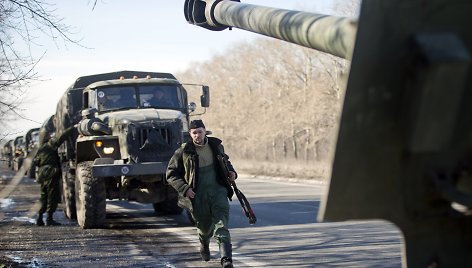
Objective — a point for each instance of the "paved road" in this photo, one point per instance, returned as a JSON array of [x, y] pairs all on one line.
[[286, 234]]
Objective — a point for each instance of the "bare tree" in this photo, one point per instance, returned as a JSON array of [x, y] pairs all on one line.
[[22, 24], [272, 104], [275, 104]]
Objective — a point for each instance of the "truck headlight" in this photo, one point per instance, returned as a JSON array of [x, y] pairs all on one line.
[[108, 150]]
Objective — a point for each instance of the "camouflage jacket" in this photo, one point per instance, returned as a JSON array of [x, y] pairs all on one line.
[[182, 173], [47, 154]]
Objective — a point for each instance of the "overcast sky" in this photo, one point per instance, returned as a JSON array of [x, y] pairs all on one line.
[[146, 35]]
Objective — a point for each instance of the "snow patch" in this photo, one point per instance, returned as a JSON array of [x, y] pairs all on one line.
[[6, 202], [24, 219], [35, 263]]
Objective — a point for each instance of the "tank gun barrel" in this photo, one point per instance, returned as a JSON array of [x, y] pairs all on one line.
[[330, 34]]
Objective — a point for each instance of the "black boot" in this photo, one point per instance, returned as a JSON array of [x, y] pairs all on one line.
[[39, 220], [50, 221], [205, 250], [226, 255]]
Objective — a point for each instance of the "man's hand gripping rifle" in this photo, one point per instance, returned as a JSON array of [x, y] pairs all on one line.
[[242, 199]]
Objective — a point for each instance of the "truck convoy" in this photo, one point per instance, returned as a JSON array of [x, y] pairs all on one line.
[[129, 124], [15, 151]]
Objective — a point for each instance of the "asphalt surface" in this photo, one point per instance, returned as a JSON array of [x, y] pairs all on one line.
[[285, 235]]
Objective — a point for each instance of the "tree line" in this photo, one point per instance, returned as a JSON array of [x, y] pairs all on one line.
[[275, 105]]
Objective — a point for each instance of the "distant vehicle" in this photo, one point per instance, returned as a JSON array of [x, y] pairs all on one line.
[[31, 139], [19, 152], [7, 153], [46, 130], [124, 141]]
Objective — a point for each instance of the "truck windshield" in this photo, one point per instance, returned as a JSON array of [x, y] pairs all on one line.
[[115, 98], [160, 96], [141, 96]]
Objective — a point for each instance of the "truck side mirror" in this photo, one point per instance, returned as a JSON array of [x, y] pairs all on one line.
[[205, 97]]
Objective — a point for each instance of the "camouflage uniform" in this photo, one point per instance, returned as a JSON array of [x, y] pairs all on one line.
[[210, 207], [49, 175]]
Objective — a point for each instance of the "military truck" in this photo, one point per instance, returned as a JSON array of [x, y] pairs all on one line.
[[7, 154], [31, 139], [124, 142], [46, 130], [3, 151], [18, 150]]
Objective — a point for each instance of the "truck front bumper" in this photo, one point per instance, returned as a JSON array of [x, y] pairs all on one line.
[[108, 167]]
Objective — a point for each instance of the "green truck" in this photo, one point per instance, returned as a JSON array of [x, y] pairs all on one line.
[[124, 141]]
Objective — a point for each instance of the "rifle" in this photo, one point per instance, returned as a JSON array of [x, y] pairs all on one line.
[[247, 210]]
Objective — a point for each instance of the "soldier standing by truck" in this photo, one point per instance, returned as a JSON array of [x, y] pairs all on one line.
[[195, 173], [47, 159]]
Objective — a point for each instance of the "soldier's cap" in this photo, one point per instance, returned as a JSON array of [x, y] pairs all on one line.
[[196, 124]]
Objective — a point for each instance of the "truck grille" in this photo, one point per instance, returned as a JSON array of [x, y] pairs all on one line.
[[147, 143], [163, 132]]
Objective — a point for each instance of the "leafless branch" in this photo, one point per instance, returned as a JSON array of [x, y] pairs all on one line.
[[22, 23]]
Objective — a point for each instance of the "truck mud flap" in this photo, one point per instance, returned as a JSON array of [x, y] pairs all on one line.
[[108, 167]]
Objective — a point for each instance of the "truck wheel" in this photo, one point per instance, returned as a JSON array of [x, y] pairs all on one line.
[[68, 194], [167, 207], [90, 197]]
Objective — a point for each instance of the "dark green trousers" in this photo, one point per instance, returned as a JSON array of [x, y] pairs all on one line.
[[50, 194], [211, 207]]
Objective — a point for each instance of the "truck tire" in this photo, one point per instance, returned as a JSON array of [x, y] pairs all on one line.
[[167, 207], [68, 194], [90, 197]]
